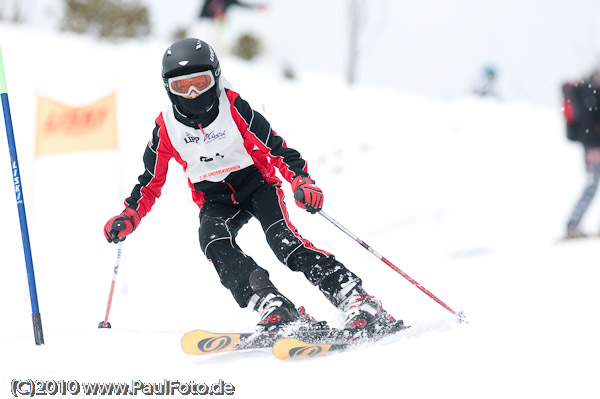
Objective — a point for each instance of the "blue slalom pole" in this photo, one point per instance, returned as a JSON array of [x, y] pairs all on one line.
[[37, 320]]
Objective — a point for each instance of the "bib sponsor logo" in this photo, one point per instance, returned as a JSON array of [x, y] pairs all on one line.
[[208, 137], [212, 136], [220, 172], [210, 159], [191, 139]]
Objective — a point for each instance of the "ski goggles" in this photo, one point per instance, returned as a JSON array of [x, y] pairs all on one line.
[[199, 82]]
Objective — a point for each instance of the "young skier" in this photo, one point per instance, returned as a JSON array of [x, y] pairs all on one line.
[[229, 153]]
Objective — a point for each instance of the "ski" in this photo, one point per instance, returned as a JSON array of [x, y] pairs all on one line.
[[201, 342], [285, 343], [287, 348], [290, 347], [577, 239]]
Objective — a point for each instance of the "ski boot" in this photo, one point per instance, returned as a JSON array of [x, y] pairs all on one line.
[[275, 312], [364, 314], [278, 314], [573, 232]]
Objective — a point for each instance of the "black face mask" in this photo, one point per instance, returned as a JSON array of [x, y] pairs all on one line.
[[203, 109]]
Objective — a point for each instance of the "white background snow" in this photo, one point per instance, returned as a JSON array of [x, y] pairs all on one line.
[[467, 196]]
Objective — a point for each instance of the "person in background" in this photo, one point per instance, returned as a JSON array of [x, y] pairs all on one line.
[[581, 110], [216, 9], [230, 154], [486, 86], [211, 22]]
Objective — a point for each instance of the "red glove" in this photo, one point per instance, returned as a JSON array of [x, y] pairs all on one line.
[[120, 226], [307, 195]]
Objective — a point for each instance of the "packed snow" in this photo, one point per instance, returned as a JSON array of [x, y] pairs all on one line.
[[467, 196]]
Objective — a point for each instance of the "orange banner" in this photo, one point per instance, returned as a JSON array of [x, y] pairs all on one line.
[[61, 128]]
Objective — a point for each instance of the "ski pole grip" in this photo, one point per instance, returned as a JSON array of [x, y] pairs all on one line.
[[299, 195], [118, 225]]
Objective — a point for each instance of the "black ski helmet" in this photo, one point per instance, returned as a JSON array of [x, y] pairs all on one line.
[[188, 56]]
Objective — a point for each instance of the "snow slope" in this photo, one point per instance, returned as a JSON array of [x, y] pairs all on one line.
[[466, 196], [431, 47]]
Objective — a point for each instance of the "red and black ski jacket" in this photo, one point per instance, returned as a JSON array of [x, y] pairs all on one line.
[[215, 157]]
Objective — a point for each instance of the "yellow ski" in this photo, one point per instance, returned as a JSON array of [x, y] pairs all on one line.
[[200, 342], [291, 347], [286, 348]]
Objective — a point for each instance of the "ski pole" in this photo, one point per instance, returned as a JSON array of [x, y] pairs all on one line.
[[37, 320], [105, 324], [459, 315]]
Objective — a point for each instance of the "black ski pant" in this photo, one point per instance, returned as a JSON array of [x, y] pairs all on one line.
[[225, 212]]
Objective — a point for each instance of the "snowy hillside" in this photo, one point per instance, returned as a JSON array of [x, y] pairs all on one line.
[[467, 196], [431, 47]]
